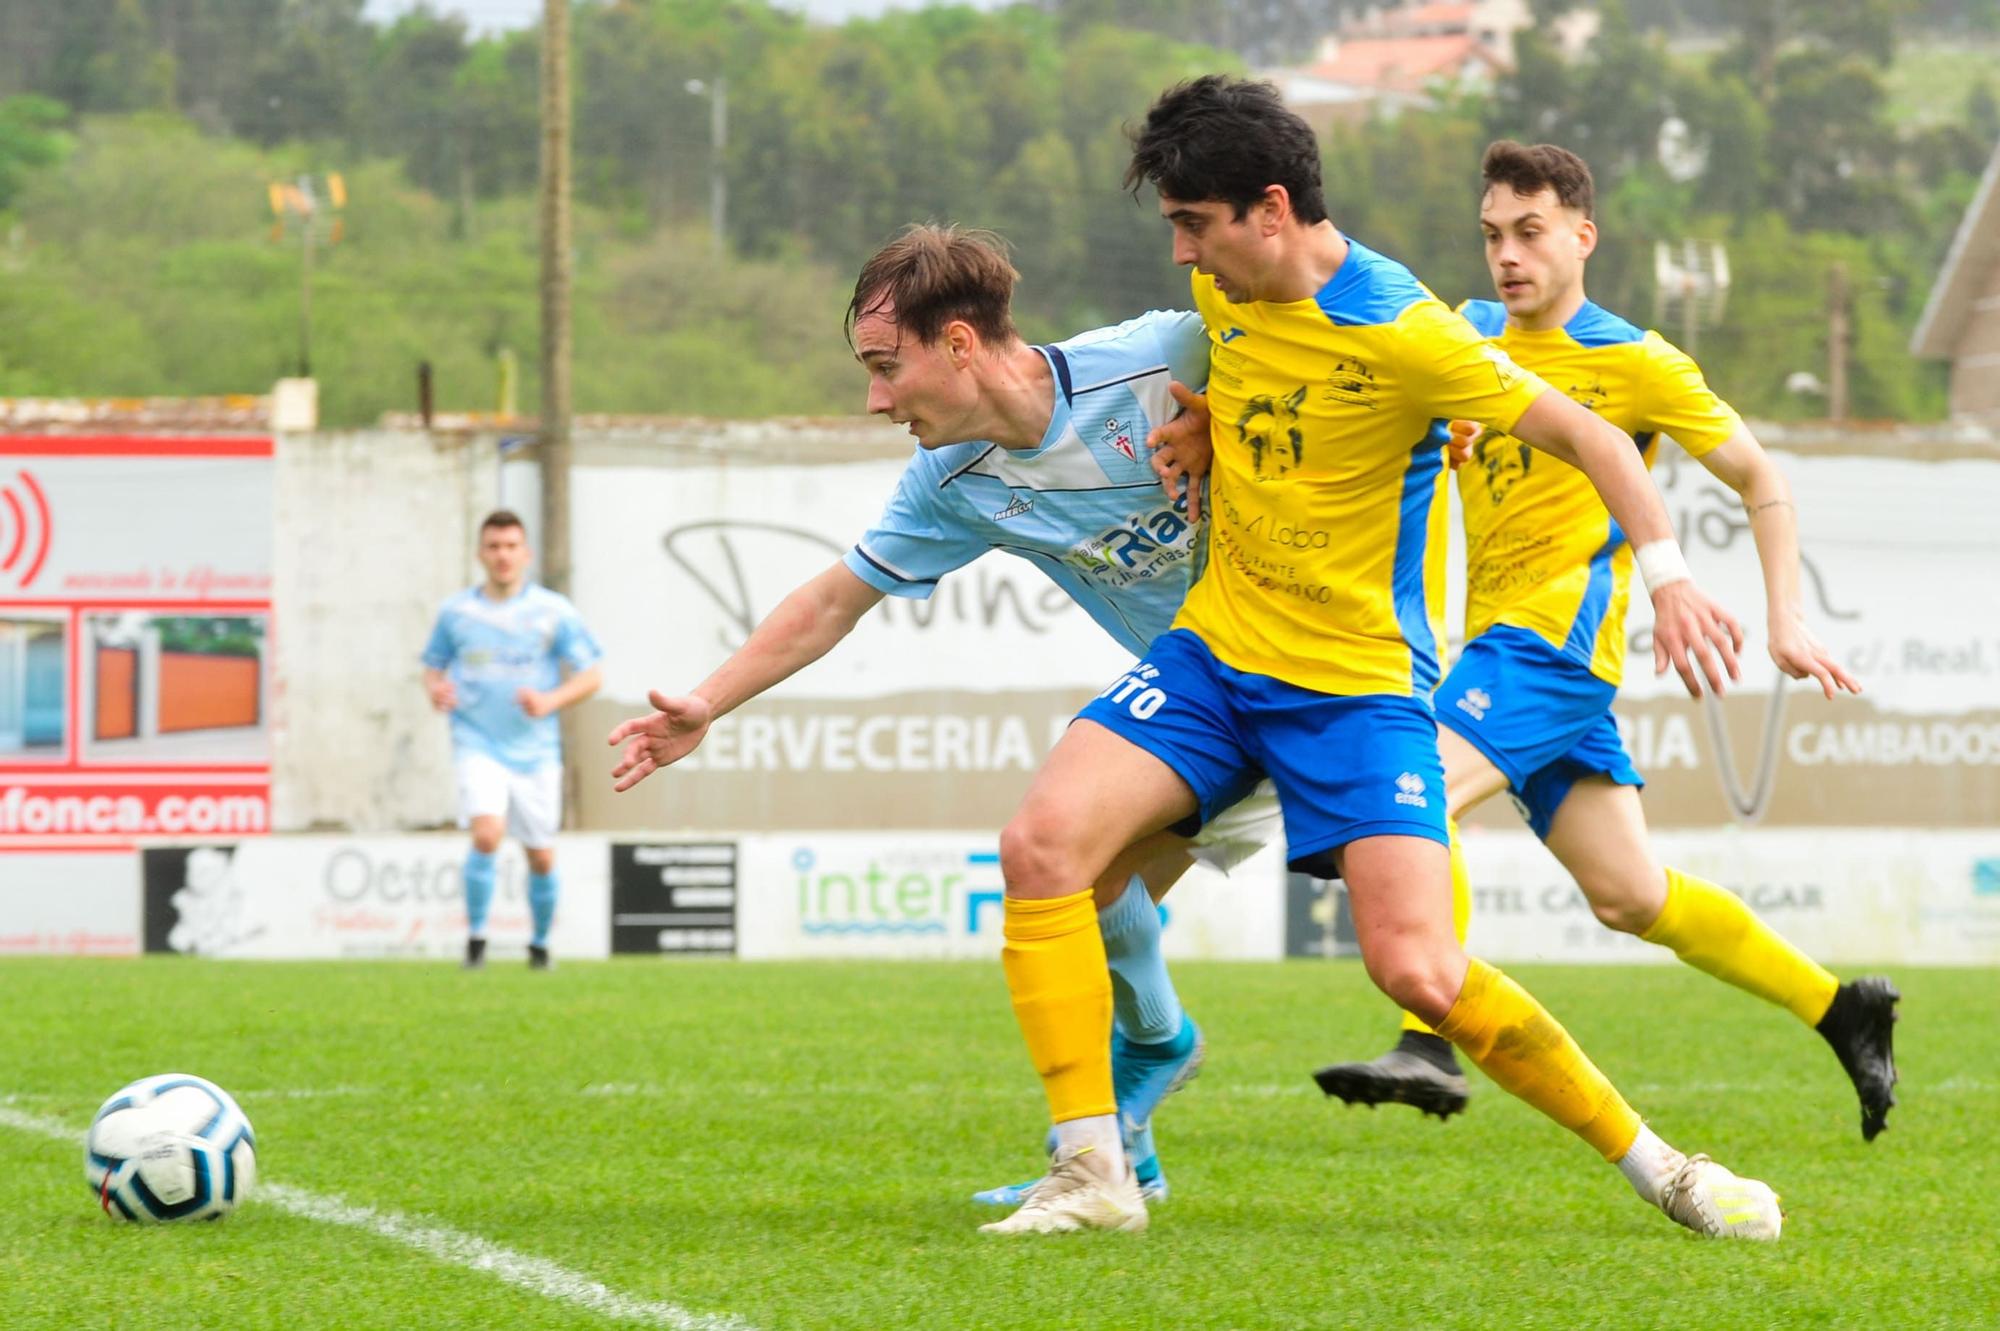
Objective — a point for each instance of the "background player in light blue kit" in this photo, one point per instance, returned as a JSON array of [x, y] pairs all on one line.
[[495, 661], [1040, 452]]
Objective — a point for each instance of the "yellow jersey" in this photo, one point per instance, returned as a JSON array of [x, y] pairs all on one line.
[[1541, 551], [1326, 538]]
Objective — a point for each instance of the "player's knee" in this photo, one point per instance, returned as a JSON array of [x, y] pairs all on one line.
[[541, 861], [1038, 856], [1415, 982], [486, 840], [1623, 903]]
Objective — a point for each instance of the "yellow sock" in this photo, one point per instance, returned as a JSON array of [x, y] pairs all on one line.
[[1054, 959], [1711, 930], [1461, 910], [1498, 1025]]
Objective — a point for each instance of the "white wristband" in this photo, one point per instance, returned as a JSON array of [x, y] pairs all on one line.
[[1661, 562]]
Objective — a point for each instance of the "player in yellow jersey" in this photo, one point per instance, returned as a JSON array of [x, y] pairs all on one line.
[[1307, 653], [1527, 706]]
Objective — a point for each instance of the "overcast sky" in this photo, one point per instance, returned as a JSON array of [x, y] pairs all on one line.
[[486, 15]]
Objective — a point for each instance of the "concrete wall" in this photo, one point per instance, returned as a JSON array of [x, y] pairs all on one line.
[[375, 529]]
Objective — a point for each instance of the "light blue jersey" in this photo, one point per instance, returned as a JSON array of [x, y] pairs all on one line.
[[1083, 506], [494, 649]]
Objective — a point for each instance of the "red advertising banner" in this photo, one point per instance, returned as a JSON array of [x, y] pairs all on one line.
[[135, 635]]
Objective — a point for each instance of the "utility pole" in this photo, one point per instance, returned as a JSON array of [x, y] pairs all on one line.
[[1837, 333], [555, 188], [717, 92], [306, 295], [718, 180]]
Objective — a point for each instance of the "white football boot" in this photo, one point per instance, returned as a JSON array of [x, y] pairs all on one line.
[[1710, 1200], [1078, 1192]]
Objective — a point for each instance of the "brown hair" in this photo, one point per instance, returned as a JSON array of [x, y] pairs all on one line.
[[933, 274], [1545, 166], [502, 517]]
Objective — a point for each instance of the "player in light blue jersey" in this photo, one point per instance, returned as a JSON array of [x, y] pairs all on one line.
[[1039, 452], [495, 661]]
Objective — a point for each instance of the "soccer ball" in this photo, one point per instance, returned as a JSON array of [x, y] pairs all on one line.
[[171, 1147]]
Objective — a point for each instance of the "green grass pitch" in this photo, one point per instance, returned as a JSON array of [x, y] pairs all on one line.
[[793, 1146]]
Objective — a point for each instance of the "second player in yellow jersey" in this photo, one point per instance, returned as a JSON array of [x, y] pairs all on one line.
[[1542, 553], [1527, 705]]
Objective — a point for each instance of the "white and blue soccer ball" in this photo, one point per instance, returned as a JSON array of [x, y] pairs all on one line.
[[171, 1147]]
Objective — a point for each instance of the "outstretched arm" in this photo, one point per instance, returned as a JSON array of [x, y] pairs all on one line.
[[1744, 466], [1688, 628], [803, 628]]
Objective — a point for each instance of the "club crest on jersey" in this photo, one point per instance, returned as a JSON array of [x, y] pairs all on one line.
[[1020, 505], [1269, 426], [1591, 394], [1117, 436], [1351, 383], [1476, 703], [1410, 790]]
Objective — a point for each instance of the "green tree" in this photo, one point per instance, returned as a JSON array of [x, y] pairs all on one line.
[[31, 136]]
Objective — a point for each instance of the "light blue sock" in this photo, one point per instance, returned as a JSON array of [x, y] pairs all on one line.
[[542, 904], [1142, 997], [480, 871]]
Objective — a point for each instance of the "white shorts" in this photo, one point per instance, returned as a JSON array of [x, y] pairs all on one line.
[[530, 801], [1241, 830]]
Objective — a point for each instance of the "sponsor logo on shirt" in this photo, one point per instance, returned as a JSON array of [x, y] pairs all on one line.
[[1230, 334], [1140, 547], [1503, 461], [1351, 383], [1410, 790], [1269, 427], [1020, 505]]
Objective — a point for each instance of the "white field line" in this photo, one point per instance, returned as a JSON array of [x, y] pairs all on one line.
[[454, 1247]]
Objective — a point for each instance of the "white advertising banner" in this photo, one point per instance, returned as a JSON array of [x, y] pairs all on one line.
[[698, 555], [905, 896], [74, 903], [1898, 557], [313, 897], [930, 714], [935, 714], [1875, 896]]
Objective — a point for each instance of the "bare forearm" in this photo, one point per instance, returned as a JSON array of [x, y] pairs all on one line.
[[1774, 526], [803, 628], [576, 688]]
